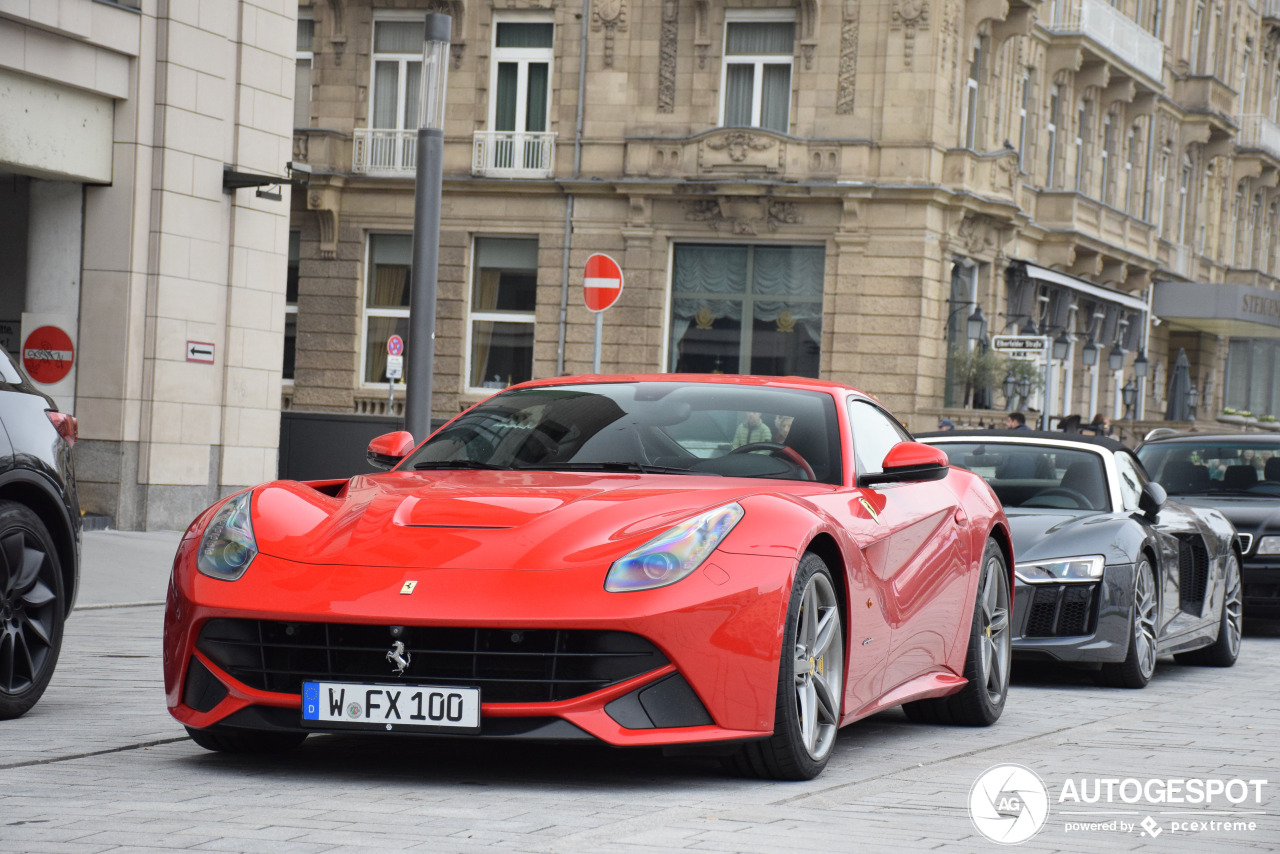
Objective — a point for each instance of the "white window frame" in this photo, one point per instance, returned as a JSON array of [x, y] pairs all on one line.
[[1185, 175], [973, 91], [366, 312], [755, 16], [522, 57], [1108, 139], [1083, 129], [1055, 107], [1022, 119], [1197, 25], [402, 76], [472, 316], [307, 56]]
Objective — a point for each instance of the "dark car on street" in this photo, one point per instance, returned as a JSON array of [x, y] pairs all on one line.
[[1108, 572], [39, 537], [1238, 475]]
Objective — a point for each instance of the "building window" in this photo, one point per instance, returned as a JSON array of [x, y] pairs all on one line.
[[746, 309], [1197, 26], [757, 71], [1022, 119], [302, 80], [386, 301], [1253, 383], [1055, 107], [291, 305], [964, 294], [397, 70], [1184, 201], [504, 291], [1162, 184], [1106, 156], [973, 93], [523, 49], [1084, 129]]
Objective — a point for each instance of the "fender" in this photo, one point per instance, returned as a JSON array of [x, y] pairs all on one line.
[[53, 510]]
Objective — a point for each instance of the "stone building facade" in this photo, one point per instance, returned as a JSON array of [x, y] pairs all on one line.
[[823, 187], [132, 137]]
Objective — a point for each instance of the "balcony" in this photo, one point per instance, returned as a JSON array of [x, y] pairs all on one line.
[[1118, 35], [384, 152], [512, 154], [1260, 132]]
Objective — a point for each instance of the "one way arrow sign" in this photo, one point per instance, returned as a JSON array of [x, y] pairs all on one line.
[[200, 351]]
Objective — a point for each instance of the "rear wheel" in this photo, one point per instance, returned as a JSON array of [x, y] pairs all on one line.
[[226, 740], [1224, 651], [988, 662], [810, 684], [1140, 661], [32, 609]]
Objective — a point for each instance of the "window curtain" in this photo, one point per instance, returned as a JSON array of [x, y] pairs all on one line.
[[535, 113], [738, 80], [399, 36], [512, 34], [504, 117], [483, 298], [386, 95], [793, 275], [753, 38], [412, 96], [306, 34], [775, 97]]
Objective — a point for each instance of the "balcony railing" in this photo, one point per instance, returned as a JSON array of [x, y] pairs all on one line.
[[384, 152], [511, 154], [1118, 34], [1259, 131]]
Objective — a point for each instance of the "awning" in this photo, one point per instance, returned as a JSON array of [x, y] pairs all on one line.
[[1222, 309], [1081, 286]]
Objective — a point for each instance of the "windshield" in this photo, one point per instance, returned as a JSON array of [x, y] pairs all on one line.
[[1218, 467], [675, 428], [1035, 475]]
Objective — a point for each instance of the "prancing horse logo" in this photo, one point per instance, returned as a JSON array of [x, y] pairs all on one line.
[[398, 657]]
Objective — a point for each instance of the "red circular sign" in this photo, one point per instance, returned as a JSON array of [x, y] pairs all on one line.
[[602, 282], [395, 345], [47, 355]]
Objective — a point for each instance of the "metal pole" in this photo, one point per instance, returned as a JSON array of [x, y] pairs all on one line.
[[421, 346], [595, 365]]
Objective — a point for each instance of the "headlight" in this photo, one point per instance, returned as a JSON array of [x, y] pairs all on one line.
[[228, 546], [1268, 546], [674, 554], [1087, 568]]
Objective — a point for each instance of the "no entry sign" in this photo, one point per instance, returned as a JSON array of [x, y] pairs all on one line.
[[47, 355], [602, 282]]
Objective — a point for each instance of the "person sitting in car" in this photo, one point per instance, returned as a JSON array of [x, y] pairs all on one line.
[[752, 430]]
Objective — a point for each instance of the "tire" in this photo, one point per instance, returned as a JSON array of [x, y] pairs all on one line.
[[988, 661], [810, 684], [1140, 660], [227, 740], [1224, 651], [32, 609]]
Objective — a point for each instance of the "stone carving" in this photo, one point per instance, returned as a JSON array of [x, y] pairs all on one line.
[[782, 213], [667, 56], [610, 16], [744, 216], [909, 15], [978, 234], [846, 81], [740, 143], [704, 210]]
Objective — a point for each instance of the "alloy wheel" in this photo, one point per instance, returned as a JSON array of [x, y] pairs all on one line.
[[1144, 619], [996, 639], [818, 666], [28, 607], [1233, 607]]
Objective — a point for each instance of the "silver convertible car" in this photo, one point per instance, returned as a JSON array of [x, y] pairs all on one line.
[[1109, 573]]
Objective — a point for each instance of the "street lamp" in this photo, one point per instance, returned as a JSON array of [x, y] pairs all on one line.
[[1010, 388], [1141, 367], [977, 323], [1024, 388], [1089, 353], [1193, 398], [1028, 328], [1129, 394], [1116, 359], [1061, 345], [426, 226]]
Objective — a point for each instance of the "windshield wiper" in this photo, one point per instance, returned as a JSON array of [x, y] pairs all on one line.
[[618, 465], [458, 464]]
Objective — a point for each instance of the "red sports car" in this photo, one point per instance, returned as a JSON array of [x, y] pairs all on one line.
[[642, 560]]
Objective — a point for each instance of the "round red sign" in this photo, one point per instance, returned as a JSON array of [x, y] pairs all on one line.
[[47, 355], [602, 282], [395, 345]]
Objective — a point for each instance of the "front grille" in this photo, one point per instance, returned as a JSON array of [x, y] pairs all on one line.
[[1193, 572], [1061, 610], [509, 665]]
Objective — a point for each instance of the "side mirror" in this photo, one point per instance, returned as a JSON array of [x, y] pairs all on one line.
[[909, 462], [1152, 499], [389, 449]]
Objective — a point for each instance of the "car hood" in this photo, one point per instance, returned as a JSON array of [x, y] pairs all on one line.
[[1044, 536], [484, 519], [1249, 515]]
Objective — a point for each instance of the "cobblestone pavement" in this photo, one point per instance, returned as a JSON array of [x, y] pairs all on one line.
[[99, 766]]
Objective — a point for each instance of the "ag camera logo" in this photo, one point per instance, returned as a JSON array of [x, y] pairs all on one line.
[[1008, 804]]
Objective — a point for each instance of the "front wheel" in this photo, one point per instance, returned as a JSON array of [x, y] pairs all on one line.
[[988, 662], [1224, 651], [810, 683], [1140, 661], [32, 609]]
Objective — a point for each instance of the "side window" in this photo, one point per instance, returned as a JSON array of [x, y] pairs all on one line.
[[1131, 481], [874, 433]]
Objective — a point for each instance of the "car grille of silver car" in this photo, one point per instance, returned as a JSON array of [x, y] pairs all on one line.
[[509, 665], [1193, 573]]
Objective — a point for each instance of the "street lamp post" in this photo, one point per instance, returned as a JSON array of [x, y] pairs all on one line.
[[1130, 396], [426, 226]]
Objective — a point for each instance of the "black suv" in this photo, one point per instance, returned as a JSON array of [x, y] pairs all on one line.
[[39, 537]]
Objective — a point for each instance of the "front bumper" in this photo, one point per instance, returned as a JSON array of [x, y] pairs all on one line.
[[717, 635], [1084, 622], [1261, 579]]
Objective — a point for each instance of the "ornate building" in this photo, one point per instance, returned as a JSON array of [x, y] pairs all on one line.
[[820, 188]]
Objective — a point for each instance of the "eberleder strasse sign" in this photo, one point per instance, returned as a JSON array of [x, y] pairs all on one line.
[[1021, 346]]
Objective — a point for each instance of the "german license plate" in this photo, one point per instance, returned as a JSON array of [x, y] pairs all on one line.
[[346, 705]]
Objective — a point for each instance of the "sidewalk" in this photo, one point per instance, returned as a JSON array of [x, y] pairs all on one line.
[[125, 567]]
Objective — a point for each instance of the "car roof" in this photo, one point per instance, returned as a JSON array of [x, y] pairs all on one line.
[[1006, 436], [803, 383], [1184, 438]]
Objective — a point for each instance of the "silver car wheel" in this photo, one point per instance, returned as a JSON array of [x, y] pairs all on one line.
[[818, 666], [1233, 606], [996, 638], [1144, 619]]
